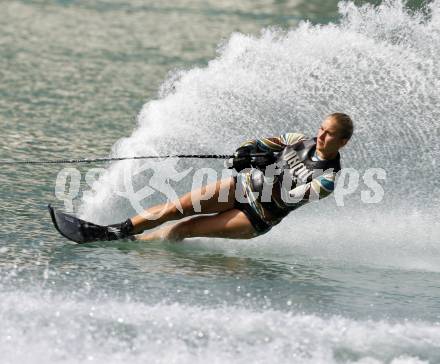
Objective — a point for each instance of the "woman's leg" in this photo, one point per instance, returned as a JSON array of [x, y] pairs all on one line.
[[231, 224], [204, 200]]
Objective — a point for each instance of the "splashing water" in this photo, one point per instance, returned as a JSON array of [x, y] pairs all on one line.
[[138, 333], [330, 284], [380, 65]]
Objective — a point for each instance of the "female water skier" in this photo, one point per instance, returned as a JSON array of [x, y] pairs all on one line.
[[275, 176], [251, 203]]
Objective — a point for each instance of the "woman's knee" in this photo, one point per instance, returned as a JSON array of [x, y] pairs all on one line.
[[178, 231]]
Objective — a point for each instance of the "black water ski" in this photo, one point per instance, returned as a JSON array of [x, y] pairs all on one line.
[[77, 230]]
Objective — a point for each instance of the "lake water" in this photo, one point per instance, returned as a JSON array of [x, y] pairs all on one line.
[[339, 281]]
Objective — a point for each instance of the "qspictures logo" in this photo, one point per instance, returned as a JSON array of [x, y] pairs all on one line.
[[163, 174]]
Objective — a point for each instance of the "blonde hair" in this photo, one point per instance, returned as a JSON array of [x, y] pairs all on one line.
[[345, 124]]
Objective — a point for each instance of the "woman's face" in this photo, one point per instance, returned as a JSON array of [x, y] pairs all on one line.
[[329, 140]]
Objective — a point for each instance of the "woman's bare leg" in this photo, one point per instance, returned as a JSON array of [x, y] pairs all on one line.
[[194, 202], [231, 224]]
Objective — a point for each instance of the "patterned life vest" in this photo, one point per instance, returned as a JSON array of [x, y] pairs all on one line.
[[296, 168]]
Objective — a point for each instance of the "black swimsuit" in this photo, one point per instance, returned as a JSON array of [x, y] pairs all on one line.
[[257, 222]]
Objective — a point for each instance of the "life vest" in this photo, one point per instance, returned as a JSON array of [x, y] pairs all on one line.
[[296, 168]]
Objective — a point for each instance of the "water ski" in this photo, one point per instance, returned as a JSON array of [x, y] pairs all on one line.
[[78, 230]]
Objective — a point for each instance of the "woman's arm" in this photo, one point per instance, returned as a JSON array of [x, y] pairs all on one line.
[[317, 189], [273, 144]]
